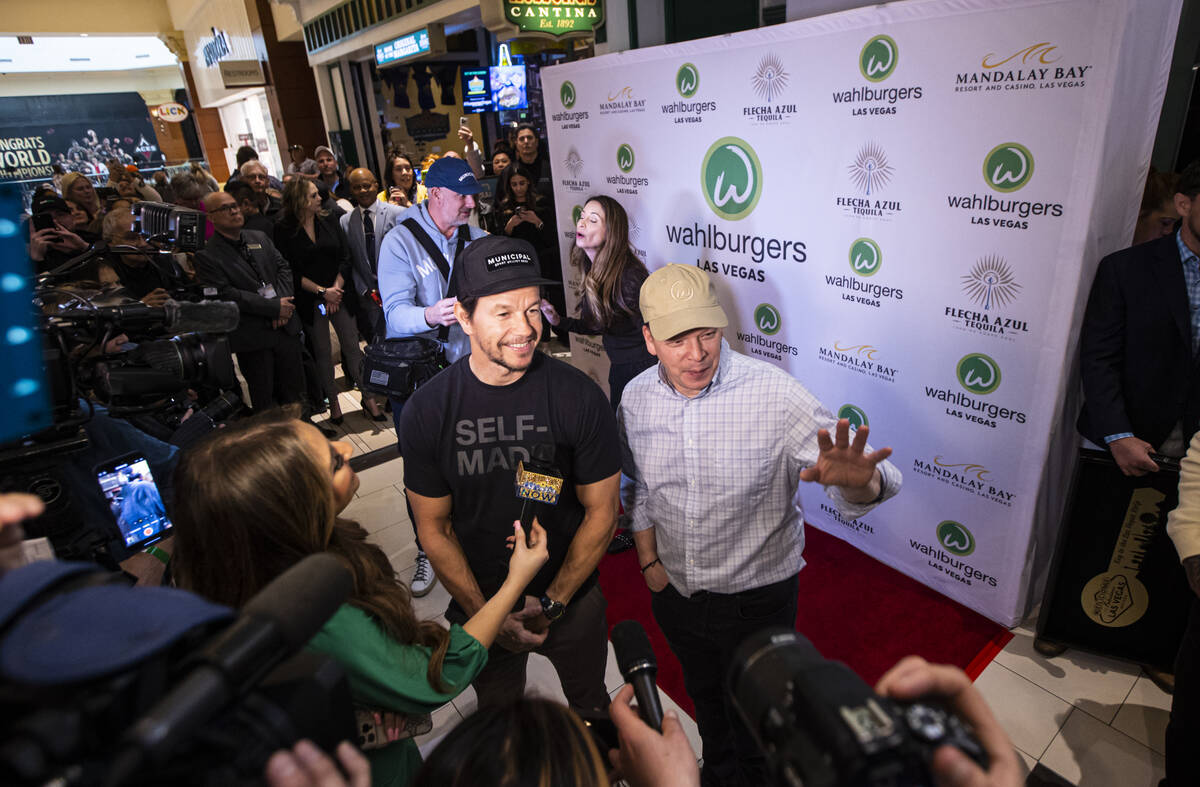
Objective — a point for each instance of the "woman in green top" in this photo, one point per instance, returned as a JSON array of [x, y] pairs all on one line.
[[256, 498]]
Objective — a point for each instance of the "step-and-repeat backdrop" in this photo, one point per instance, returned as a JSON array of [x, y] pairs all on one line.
[[902, 207]]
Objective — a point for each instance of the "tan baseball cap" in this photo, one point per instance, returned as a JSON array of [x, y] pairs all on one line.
[[678, 298]]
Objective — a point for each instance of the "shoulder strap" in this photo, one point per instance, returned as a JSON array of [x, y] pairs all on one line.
[[439, 259]]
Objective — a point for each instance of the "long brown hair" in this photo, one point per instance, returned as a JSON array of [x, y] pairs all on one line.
[[603, 298], [389, 175], [251, 501], [295, 202]]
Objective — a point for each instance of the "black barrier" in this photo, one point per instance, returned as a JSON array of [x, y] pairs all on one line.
[[1116, 587]]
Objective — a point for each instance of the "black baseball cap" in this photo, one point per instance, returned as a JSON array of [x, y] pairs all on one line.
[[497, 263], [50, 203]]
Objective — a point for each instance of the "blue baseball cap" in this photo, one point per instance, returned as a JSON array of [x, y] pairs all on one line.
[[452, 173]]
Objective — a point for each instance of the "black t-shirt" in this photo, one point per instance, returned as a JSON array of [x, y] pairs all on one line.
[[463, 438]]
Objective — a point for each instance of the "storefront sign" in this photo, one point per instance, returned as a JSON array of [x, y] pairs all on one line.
[[242, 73], [216, 48], [170, 112], [542, 18], [427, 41]]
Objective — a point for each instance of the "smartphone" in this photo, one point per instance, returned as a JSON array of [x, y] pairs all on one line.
[[321, 309], [133, 498], [464, 121], [106, 193], [43, 221]]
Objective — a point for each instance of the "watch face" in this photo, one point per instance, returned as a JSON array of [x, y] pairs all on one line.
[[552, 609]]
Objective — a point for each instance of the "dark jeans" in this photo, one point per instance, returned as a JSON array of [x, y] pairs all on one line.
[[1183, 730], [703, 631], [577, 646], [397, 406], [274, 375]]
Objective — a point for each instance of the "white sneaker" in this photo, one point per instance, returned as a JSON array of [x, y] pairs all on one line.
[[423, 578]]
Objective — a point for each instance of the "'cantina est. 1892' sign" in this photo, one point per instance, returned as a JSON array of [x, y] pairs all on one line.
[[544, 17]]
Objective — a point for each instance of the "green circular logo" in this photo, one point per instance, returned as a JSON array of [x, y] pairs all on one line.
[[978, 373], [866, 258], [731, 178], [576, 212], [625, 157], [767, 319], [878, 58], [566, 94], [954, 537], [856, 415], [687, 80], [1008, 167]]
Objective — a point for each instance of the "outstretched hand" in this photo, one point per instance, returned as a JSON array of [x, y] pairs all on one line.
[[842, 462]]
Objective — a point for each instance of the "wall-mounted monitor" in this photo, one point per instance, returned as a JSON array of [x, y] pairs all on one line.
[[477, 90], [509, 87]]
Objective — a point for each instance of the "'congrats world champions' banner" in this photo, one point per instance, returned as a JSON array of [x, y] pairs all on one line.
[[903, 207]]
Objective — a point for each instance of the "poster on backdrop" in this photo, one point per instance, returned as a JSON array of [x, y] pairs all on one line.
[[889, 201]]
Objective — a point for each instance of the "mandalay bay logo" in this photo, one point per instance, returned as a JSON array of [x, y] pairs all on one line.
[[969, 477], [769, 82], [991, 287], [731, 178], [862, 359], [1037, 66], [878, 58], [622, 101], [1008, 167]]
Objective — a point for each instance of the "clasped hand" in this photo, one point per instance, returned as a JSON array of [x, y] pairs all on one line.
[[844, 463], [526, 628]]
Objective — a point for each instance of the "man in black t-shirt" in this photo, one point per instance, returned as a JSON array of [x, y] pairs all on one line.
[[462, 435]]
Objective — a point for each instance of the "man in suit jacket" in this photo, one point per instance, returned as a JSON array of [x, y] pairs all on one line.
[[365, 227], [246, 268], [1139, 344]]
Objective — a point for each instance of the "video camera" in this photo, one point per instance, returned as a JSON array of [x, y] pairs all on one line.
[[181, 228], [105, 684], [820, 725]]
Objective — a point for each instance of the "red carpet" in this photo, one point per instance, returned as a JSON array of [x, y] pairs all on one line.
[[855, 610]]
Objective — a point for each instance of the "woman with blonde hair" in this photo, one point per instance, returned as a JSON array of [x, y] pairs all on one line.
[[254, 499]]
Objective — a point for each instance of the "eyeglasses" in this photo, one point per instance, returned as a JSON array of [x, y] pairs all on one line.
[[230, 207]]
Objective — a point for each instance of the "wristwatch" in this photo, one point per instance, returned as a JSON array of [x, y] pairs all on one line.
[[553, 610], [320, 291]]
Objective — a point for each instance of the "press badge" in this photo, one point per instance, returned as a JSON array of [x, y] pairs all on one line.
[[254, 246], [267, 291]]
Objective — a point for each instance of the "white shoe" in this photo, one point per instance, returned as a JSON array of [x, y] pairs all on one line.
[[423, 578]]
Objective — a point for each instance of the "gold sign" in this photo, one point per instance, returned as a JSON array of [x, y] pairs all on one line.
[[542, 18]]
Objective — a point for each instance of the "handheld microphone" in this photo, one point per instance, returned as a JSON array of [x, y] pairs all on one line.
[[635, 659], [537, 482], [276, 623]]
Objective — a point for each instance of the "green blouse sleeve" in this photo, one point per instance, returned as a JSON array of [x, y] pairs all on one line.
[[387, 675]]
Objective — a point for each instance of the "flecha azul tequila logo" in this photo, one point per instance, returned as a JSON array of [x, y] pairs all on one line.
[[870, 172], [953, 543], [979, 375], [876, 62], [568, 118], [966, 477], [1037, 66], [626, 160], [856, 525], [573, 164], [687, 85], [990, 287], [770, 82], [622, 102], [864, 359], [767, 322], [1007, 168], [866, 260]]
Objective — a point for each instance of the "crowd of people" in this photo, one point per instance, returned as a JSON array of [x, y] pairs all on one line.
[[413, 253]]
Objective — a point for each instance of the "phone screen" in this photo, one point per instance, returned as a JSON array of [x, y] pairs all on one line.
[[134, 500], [43, 221]]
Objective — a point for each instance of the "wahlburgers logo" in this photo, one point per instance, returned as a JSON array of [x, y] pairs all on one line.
[[566, 94], [731, 178], [955, 537], [865, 257], [576, 212], [625, 163], [1008, 167], [568, 119], [855, 414], [766, 317], [687, 80], [625, 157], [978, 374], [878, 58]]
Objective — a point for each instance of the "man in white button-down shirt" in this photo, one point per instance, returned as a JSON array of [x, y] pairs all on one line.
[[717, 444]]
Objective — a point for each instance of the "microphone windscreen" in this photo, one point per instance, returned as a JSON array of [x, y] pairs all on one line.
[[632, 646], [301, 599], [202, 317]]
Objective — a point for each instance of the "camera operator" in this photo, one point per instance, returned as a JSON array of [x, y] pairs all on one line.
[[144, 280]]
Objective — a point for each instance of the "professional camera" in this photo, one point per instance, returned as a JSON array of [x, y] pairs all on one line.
[[106, 684], [822, 726], [182, 228]]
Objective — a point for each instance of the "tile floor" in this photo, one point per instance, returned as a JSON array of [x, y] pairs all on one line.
[[1094, 721]]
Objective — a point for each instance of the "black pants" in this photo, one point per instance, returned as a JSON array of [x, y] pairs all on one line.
[[703, 631], [397, 406], [275, 374], [1183, 730]]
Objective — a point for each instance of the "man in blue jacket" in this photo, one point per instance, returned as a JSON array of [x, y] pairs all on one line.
[[413, 281]]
